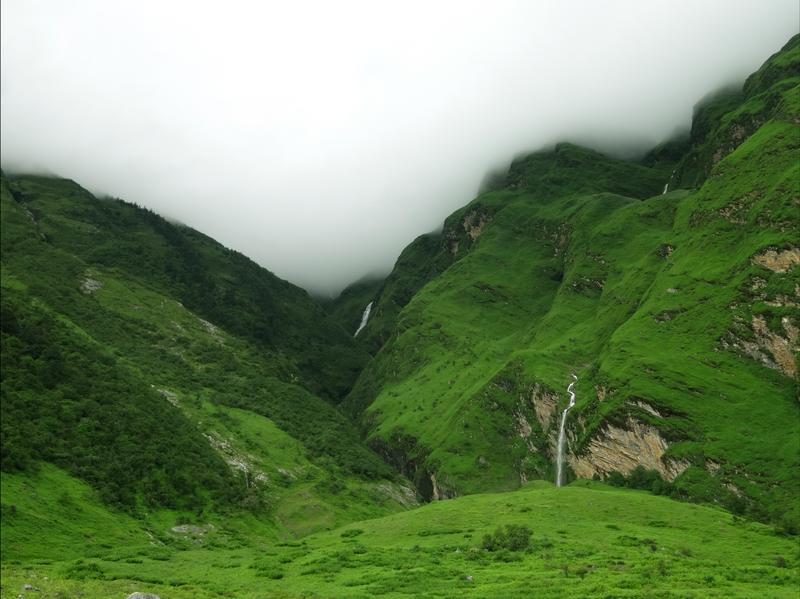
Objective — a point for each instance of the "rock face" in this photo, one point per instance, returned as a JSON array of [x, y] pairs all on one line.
[[768, 347], [474, 224], [544, 403], [89, 285], [138, 595], [778, 261], [237, 460], [438, 492], [402, 494], [623, 449], [783, 349]]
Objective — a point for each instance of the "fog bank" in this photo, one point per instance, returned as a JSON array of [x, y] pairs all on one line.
[[320, 138]]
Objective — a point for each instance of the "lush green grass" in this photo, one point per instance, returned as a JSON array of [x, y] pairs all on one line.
[[587, 540]]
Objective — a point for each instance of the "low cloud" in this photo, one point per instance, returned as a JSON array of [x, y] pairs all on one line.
[[319, 138]]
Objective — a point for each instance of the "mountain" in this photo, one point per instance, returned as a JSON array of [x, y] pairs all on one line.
[[175, 418], [168, 371], [677, 311]]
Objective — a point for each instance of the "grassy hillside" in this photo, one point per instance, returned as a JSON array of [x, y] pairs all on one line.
[[577, 541], [677, 312], [418, 263], [217, 284], [109, 376], [725, 119]]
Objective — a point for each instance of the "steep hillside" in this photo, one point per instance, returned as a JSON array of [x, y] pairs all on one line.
[[418, 263], [110, 375], [217, 284], [348, 307], [677, 312]]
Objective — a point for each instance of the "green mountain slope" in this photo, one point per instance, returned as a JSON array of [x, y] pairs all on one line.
[[677, 312], [108, 373], [218, 284]]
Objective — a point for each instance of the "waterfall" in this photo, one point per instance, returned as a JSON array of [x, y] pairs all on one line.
[[364, 319], [562, 434], [666, 186]]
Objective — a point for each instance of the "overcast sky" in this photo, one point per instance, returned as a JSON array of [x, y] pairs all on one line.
[[319, 138]]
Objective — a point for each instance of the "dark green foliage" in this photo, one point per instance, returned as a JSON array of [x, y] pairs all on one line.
[[641, 478], [67, 401], [348, 307], [570, 170], [327, 433], [351, 532], [511, 537], [103, 274], [418, 263], [219, 284]]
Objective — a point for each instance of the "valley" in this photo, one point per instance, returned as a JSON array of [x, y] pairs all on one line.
[[585, 384]]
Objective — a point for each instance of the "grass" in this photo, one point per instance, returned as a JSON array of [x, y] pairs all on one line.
[[587, 540]]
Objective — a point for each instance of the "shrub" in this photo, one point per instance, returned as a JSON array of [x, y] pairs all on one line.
[[513, 537], [351, 532]]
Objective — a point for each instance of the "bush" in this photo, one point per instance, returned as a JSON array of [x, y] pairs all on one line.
[[512, 537], [351, 532]]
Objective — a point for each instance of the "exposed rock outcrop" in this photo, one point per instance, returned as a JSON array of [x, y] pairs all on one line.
[[439, 492], [402, 494], [474, 223], [90, 285], [783, 349], [623, 449], [405, 454], [768, 347], [237, 460], [544, 403], [778, 261]]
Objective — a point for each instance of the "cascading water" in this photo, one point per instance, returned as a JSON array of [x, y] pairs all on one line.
[[562, 434], [364, 319], [666, 186]]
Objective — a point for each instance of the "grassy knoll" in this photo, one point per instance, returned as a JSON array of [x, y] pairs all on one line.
[[585, 540]]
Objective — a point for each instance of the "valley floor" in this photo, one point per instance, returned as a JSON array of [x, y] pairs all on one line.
[[588, 540]]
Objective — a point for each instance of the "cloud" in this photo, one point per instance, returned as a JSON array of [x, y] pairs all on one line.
[[319, 138]]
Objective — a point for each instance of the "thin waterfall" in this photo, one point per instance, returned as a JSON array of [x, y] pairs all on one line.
[[666, 186], [562, 433], [364, 319]]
